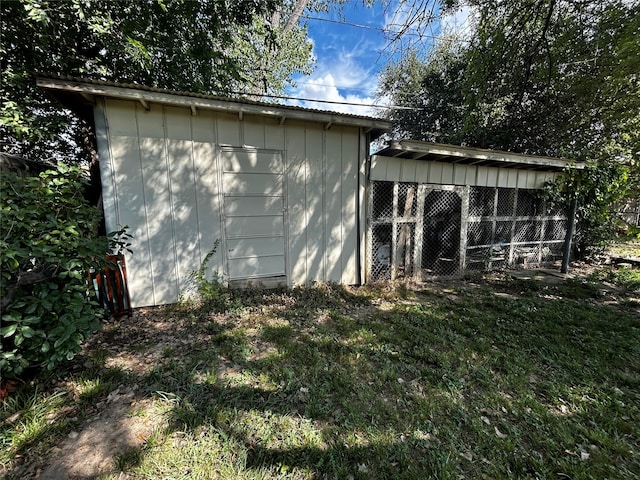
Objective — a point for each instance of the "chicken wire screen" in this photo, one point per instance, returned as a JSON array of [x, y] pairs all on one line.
[[441, 237], [419, 231]]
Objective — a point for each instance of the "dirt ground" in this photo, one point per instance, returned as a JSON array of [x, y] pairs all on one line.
[[123, 421]]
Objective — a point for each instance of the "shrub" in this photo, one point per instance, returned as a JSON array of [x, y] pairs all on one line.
[[598, 187], [49, 241]]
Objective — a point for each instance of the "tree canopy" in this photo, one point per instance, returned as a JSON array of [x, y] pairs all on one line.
[[552, 77], [209, 46]]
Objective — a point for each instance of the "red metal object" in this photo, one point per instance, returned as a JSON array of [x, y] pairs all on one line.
[[110, 287]]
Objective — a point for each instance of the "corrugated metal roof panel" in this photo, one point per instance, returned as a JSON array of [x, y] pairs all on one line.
[[437, 152], [89, 87]]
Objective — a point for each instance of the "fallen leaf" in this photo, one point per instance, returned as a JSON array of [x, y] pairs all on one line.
[[499, 433], [467, 455], [584, 456], [485, 420]]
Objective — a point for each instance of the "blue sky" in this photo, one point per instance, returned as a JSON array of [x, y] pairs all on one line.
[[349, 58]]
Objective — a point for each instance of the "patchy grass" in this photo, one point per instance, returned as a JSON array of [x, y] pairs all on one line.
[[491, 378], [629, 248]]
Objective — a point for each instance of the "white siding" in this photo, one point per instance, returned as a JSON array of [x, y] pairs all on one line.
[[162, 172], [394, 169], [332, 206], [349, 183], [314, 202], [297, 199], [206, 163]]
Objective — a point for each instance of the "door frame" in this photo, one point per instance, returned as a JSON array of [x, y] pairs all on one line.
[[277, 280]]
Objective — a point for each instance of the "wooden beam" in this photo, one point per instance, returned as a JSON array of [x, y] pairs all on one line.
[[89, 98]]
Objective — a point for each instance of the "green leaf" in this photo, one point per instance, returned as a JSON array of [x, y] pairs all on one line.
[[28, 332], [8, 330]]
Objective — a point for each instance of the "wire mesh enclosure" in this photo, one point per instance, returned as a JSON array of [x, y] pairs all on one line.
[[419, 231]]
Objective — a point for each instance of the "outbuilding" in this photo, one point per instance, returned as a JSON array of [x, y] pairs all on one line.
[[290, 196], [440, 210], [280, 190]]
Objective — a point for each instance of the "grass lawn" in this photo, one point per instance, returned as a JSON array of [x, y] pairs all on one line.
[[484, 378]]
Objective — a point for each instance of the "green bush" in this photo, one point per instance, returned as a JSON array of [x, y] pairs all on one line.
[[49, 241], [599, 187]]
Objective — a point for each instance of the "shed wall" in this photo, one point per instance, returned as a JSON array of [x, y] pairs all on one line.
[[162, 175], [392, 169]]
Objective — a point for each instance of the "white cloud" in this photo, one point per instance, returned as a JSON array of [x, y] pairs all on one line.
[[344, 80], [326, 88]]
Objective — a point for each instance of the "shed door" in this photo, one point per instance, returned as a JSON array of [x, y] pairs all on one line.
[[253, 213]]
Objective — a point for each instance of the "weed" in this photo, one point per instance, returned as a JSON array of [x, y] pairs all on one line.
[[27, 418], [625, 277], [212, 293]]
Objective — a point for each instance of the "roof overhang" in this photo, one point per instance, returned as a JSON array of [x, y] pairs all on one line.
[[437, 152], [78, 94]]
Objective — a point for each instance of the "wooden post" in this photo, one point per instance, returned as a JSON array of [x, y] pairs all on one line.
[[566, 254], [418, 232], [404, 239], [464, 227]]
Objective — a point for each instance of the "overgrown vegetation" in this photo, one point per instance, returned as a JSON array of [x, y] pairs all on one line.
[[598, 187], [210, 46], [497, 378], [212, 294], [49, 242]]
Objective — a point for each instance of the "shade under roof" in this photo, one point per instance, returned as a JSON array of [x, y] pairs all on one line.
[[437, 152]]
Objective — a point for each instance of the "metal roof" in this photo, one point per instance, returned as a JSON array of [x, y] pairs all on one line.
[[437, 152], [80, 92]]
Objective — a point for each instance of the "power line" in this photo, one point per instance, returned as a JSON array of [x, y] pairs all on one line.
[[333, 102], [379, 29]]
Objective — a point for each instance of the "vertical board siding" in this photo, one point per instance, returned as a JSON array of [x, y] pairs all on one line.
[[162, 170], [160, 276], [296, 188], [349, 206], [314, 202], [182, 182], [130, 196], [460, 174], [254, 132], [274, 135], [408, 170], [207, 188], [333, 205], [229, 129], [110, 205]]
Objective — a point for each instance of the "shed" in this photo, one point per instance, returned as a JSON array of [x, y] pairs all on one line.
[[438, 210], [283, 189]]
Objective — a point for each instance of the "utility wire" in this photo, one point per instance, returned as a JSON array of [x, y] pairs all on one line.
[[333, 102], [379, 29]]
